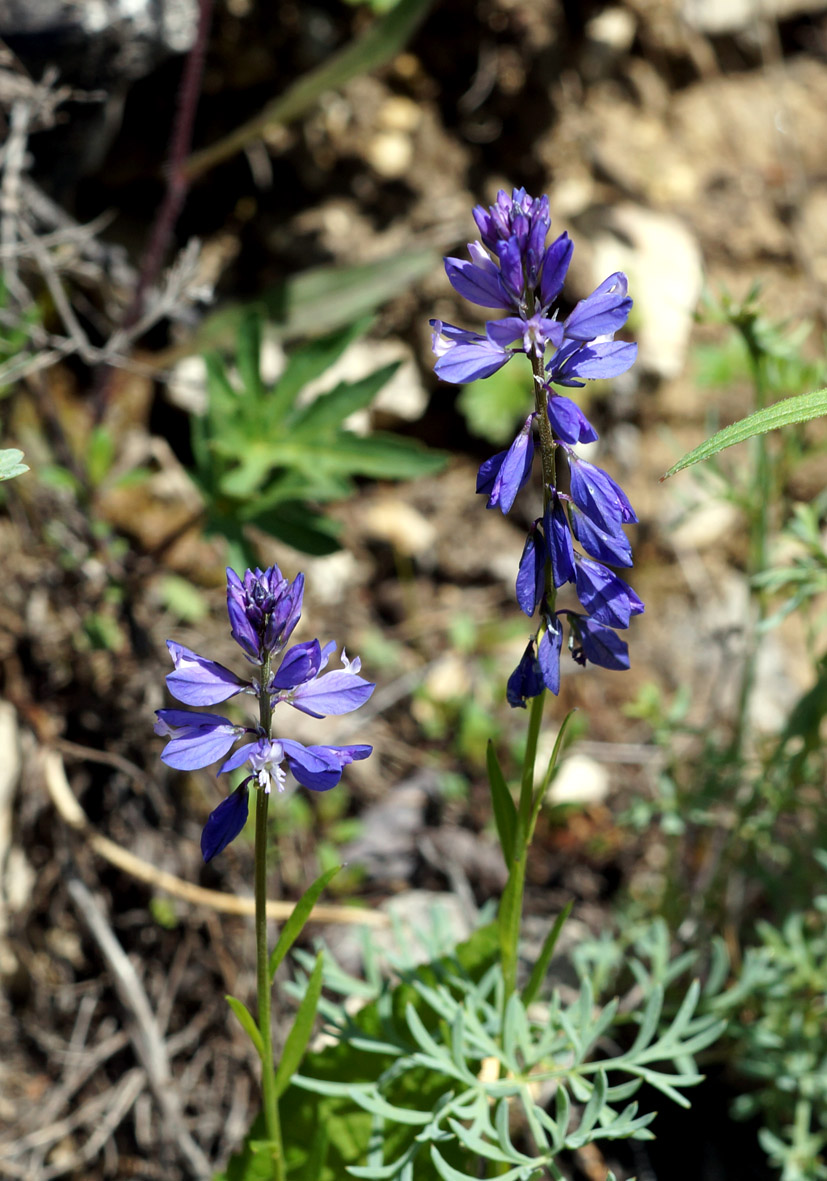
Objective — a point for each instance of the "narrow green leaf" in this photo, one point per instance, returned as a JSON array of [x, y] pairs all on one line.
[[297, 525], [10, 464], [310, 361], [299, 1035], [301, 913], [247, 1023], [505, 810], [331, 409], [373, 1102], [248, 359], [800, 408], [538, 972]]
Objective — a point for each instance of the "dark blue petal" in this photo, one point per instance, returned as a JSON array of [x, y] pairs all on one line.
[[320, 767], [606, 597], [601, 313], [511, 473], [526, 680], [548, 654], [224, 823], [555, 267], [599, 496], [600, 359], [558, 541], [198, 681], [531, 571], [568, 421], [300, 663], [480, 286], [613, 548], [598, 645]]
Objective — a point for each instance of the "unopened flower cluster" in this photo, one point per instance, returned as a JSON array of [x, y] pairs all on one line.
[[512, 269], [264, 608]]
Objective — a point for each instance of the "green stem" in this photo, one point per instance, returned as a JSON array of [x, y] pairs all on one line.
[[264, 987]]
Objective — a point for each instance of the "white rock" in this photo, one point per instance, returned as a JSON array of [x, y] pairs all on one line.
[[579, 780], [663, 261], [732, 16], [395, 521]]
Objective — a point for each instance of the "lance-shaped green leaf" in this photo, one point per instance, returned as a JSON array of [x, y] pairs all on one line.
[[299, 1035], [800, 408], [502, 801], [301, 913], [538, 972], [247, 1022]]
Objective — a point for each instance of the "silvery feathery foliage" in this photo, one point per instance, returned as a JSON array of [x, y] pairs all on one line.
[[462, 1078]]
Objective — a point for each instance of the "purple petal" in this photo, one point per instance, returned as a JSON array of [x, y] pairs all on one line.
[[197, 681], [526, 680], [301, 663], [238, 757], [331, 694], [224, 823], [606, 597], [531, 572], [602, 312], [568, 421], [600, 359], [613, 548], [512, 473], [599, 496], [511, 267], [555, 267], [203, 739], [558, 541], [599, 645], [465, 356], [320, 767], [480, 286], [548, 654]]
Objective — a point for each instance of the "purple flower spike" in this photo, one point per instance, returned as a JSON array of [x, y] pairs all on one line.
[[502, 476], [224, 823], [197, 681], [196, 739], [597, 644], [568, 421], [526, 680], [264, 609], [607, 598]]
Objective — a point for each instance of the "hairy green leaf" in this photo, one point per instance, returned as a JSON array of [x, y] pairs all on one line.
[[247, 1022], [800, 408]]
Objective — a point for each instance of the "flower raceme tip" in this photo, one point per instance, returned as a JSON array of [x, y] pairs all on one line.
[[264, 608]]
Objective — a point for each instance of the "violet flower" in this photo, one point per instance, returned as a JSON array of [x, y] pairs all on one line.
[[513, 270], [264, 608]]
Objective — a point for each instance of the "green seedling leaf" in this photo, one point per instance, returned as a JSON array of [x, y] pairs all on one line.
[[329, 410], [100, 453], [538, 973], [247, 1023], [800, 408], [248, 357], [301, 913], [10, 465], [299, 526], [312, 360], [505, 810], [299, 1035]]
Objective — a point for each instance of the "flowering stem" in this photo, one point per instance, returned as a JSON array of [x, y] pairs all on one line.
[[268, 1072]]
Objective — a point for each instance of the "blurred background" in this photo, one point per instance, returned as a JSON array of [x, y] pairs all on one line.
[[218, 215]]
